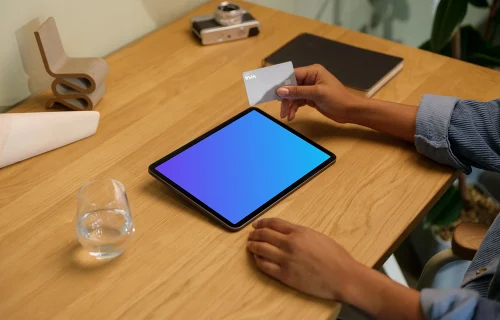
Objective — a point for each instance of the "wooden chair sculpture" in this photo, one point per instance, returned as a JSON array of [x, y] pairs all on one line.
[[79, 82]]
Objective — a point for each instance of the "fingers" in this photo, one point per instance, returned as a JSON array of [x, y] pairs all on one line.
[[268, 267], [299, 92], [273, 237], [307, 81], [285, 105], [292, 110], [288, 105], [275, 224], [308, 75], [266, 251]]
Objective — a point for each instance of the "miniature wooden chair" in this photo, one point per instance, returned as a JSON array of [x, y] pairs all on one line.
[[79, 82]]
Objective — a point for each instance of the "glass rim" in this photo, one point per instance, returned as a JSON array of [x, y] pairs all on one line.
[[88, 183]]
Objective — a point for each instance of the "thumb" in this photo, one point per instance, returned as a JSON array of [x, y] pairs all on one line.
[[298, 92]]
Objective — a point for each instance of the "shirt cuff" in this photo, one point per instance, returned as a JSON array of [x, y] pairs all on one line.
[[433, 123], [448, 304]]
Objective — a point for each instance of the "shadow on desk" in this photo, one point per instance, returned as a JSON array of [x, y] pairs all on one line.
[[318, 131], [80, 259], [167, 194]]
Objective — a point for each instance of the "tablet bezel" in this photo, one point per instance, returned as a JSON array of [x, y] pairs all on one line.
[[214, 214]]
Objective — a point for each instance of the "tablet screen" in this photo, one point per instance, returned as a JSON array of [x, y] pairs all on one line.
[[242, 166]]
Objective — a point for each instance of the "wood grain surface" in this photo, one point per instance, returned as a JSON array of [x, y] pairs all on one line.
[[163, 91]]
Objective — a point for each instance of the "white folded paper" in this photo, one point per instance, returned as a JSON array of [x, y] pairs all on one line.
[[25, 135]]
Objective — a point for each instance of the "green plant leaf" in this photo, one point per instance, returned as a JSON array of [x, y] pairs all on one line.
[[485, 60], [474, 48], [446, 51], [496, 22], [451, 212], [426, 45], [490, 50], [496, 17], [438, 207], [471, 41], [479, 3], [446, 210], [477, 50], [449, 15]]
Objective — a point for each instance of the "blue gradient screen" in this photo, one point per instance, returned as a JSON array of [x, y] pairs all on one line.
[[239, 168]]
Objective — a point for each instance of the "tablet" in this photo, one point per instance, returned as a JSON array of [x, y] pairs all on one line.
[[241, 168]]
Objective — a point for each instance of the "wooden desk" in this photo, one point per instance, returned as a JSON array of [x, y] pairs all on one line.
[[163, 91]]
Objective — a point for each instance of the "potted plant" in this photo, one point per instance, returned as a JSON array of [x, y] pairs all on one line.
[[467, 43]]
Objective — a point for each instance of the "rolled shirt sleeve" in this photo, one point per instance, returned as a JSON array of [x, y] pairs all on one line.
[[459, 133], [433, 123]]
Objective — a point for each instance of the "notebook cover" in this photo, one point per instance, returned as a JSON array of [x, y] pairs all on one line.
[[355, 67]]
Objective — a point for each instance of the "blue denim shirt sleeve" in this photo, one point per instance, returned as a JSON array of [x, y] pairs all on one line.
[[474, 134], [433, 122], [459, 133], [457, 304]]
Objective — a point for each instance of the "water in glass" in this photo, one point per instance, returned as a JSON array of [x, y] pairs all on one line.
[[104, 223]]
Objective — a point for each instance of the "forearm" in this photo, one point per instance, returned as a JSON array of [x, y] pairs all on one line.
[[396, 119], [380, 297]]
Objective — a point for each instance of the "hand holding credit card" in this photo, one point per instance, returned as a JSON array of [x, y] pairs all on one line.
[[261, 84]]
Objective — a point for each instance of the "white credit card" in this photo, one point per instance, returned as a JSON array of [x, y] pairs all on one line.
[[261, 84]]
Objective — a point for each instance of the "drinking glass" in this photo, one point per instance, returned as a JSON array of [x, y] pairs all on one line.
[[103, 220]]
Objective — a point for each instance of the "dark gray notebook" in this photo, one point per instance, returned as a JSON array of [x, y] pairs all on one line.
[[360, 69]]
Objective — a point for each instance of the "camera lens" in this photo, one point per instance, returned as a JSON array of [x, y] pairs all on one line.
[[228, 14], [227, 6]]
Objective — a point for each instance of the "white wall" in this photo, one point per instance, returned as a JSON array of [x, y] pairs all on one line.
[[87, 28]]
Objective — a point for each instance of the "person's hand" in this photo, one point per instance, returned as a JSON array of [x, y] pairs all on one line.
[[319, 89], [301, 258]]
